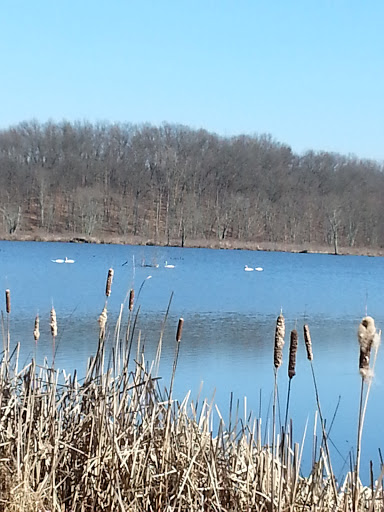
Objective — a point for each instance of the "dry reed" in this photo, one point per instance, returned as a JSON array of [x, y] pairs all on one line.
[[113, 441]]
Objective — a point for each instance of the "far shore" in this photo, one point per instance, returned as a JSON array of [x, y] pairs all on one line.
[[192, 243]]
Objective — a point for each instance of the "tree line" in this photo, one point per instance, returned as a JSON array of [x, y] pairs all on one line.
[[171, 183]]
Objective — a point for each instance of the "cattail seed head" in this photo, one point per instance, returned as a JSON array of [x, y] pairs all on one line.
[[179, 329], [308, 343], [292, 354], [109, 282], [36, 330], [366, 334], [279, 341], [8, 301], [53, 323], [103, 319], [131, 299]]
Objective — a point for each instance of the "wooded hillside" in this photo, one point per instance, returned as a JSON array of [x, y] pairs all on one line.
[[171, 183]]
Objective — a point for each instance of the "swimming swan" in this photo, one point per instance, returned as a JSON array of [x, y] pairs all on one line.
[[259, 269], [60, 260], [168, 265], [248, 269]]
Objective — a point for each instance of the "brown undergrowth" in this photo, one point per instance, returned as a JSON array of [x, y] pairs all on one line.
[[207, 243]]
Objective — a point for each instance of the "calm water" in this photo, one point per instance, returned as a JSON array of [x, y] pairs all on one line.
[[229, 322]]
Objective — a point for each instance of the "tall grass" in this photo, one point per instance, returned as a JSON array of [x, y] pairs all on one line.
[[115, 440]]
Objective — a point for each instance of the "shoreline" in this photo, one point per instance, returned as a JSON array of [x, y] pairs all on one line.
[[194, 243]]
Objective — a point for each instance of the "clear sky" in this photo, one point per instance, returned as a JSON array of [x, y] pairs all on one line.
[[309, 72]]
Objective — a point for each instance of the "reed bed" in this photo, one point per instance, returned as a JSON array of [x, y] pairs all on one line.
[[115, 440]]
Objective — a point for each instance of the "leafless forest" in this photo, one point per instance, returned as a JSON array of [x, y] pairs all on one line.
[[173, 184]]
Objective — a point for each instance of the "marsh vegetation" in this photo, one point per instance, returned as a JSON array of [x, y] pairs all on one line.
[[118, 439]]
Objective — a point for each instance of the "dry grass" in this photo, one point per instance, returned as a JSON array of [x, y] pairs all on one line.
[[115, 441]]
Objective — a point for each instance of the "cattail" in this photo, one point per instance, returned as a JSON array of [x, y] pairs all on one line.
[[292, 354], [308, 343], [366, 333], [179, 329], [109, 282], [103, 319], [53, 323], [131, 299], [8, 301], [279, 341], [36, 330]]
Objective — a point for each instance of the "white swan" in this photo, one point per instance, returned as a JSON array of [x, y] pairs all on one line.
[[259, 269], [66, 260], [248, 269], [168, 265]]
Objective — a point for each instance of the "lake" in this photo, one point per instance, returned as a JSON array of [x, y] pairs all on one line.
[[230, 318]]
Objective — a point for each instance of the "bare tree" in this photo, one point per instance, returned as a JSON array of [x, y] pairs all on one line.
[[11, 218], [171, 182]]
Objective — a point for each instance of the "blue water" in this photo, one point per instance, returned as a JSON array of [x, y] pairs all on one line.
[[229, 325]]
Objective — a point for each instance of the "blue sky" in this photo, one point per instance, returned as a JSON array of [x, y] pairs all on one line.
[[309, 72]]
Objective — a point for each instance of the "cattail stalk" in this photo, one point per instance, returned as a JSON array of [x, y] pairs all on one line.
[[169, 409], [8, 310], [178, 339], [308, 346], [308, 343], [36, 332], [291, 369], [292, 354], [131, 299], [277, 362], [160, 342], [98, 360], [279, 341], [130, 332], [102, 321], [366, 334], [179, 329], [368, 338], [53, 325], [109, 283], [8, 301]]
